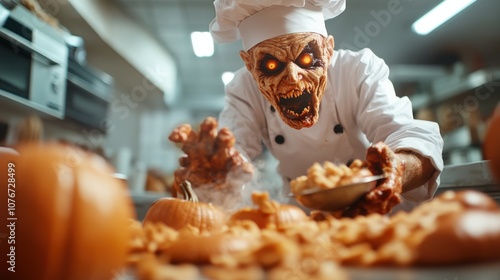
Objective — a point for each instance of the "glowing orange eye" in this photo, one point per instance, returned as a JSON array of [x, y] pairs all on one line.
[[305, 60], [272, 64]]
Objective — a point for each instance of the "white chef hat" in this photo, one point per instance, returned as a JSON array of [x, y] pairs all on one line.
[[257, 20]]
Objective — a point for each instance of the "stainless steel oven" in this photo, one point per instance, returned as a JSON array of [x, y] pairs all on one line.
[[33, 61], [89, 93]]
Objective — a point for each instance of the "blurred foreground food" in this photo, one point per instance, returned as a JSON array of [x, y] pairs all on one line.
[[453, 228], [69, 218]]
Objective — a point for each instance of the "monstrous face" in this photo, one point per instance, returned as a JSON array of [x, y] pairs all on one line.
[[291, 73]]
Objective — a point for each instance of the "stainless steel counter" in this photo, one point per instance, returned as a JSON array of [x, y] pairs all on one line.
[[481, 271], [474, 175]]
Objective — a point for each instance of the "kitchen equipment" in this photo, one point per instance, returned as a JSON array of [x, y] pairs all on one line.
[[7, 151], [338, 197], [469, 176], [122, 161], [88, 93], [120, 177], [4, 129], [76, 47], [34, 61], [137, 182], [9, 4]]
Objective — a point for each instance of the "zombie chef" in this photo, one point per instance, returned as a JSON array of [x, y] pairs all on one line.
[[307, 102]]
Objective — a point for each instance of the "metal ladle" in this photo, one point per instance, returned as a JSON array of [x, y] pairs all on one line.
[[338, 197]]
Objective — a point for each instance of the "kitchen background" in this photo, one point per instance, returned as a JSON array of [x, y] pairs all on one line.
[[117, 76]]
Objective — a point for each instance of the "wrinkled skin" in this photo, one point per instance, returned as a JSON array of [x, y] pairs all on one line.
[[403, 171], [387, 193], [211, 163], [291, 73]]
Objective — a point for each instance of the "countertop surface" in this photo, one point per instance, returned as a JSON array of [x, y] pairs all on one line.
[[481, 271], [475, 175], [467, 175]]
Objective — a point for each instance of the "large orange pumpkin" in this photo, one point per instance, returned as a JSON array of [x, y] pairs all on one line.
[[178, 213], [69, 217], [491, 146]]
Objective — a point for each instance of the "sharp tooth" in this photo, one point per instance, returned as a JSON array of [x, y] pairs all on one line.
[[305, 111], [290, 112], [292, 94]]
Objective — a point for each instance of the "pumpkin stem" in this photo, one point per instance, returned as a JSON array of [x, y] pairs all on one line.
[[188, 192]]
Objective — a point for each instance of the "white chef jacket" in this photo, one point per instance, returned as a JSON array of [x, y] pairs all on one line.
[[359, 107]]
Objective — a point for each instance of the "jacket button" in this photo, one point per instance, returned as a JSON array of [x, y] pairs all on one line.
[[272, 109], [338, 129], [279, 139]]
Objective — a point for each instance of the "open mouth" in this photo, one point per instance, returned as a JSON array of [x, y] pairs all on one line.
[[296, 105]]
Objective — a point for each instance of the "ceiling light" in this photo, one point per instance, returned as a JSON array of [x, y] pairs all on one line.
[[227, 77], [203, 44], [440, 14]]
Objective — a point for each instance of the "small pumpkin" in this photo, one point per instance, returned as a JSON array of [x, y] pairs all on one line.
[[178, 213], [72, 216], [269, 212]]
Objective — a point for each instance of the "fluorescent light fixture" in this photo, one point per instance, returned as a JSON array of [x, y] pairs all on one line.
[[227, 77], [203, 44], [440, 14]]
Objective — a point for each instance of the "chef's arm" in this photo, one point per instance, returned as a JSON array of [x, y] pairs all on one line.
[[417, 169]]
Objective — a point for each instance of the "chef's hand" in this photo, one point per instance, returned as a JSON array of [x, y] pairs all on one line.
[[387, 193], [210, 157], [403, 170]]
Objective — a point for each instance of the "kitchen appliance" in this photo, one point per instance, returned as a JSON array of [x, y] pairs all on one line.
[[88, 94], [9, 4], [34, 60]]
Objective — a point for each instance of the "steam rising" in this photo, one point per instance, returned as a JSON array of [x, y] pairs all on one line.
[[239, 186]]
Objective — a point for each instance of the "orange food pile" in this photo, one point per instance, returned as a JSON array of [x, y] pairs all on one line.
[[329, 175], [453, 228]]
